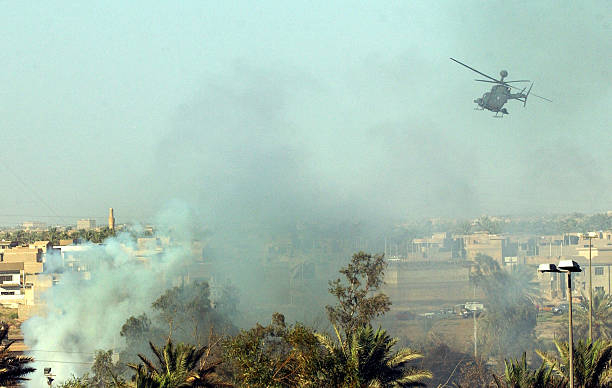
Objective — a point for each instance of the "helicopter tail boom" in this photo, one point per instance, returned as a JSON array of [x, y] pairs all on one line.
[[527, 95]]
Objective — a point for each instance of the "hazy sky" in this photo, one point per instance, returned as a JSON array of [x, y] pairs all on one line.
[[292, 110]]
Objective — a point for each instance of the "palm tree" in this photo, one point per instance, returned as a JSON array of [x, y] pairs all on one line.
[[13, 369], [365, 359], [602, 316], [517, 374], [591, 362], [180, 366]]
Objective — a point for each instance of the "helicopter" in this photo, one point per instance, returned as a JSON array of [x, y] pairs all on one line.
[[500, 93]]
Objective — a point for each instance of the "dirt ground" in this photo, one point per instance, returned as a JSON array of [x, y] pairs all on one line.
[[457, 332]]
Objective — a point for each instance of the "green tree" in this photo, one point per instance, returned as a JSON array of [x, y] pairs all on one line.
[[188, 313], [602, 317], [358, 300], [137, 331], [365, 358], [13, 368], [107, 373], [517, 374], [591, 362], [462, 227], [77, 382], [273, 355], [183, 365], [486, 224]]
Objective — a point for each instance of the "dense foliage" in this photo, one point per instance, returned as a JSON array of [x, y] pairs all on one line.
[[592, 362], [54, 235], [358, 300], [13, 368]]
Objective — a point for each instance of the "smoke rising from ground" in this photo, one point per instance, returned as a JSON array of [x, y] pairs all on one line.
[[86, 310]]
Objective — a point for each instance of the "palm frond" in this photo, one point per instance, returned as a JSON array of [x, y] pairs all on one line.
[[403, 356]]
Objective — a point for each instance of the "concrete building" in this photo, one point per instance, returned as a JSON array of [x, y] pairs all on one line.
[[439, 246], [86, 224], [12, 281], [486, 244]]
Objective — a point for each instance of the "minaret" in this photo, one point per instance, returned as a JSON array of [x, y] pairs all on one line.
[[111, 219]]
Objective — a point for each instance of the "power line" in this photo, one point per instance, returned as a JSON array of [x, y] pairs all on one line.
[[65, 362], [32, 191], [57, 351], [43, 216]]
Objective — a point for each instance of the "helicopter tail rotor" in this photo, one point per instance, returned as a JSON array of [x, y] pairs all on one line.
[[527, 95]]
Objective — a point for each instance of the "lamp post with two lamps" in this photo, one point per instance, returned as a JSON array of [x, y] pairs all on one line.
[[567, 266]]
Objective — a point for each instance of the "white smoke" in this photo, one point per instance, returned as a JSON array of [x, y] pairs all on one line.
[[86, 310]]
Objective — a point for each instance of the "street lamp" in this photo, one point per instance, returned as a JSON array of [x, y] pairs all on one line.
[[567, 266], [49, 376], [590, 236]]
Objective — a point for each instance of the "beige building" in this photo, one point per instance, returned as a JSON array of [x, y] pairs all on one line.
[[484, 243], [32, 258], [33, 225], [601, 259], [86, 224], [71, 241]]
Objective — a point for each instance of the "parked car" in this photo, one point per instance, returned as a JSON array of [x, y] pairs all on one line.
[[560, 309], [470, 313], [426, 316], [547, 307]]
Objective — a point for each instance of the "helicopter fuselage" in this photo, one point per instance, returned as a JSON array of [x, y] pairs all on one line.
[[495, 99]]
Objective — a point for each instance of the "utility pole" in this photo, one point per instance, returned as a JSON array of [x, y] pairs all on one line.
[[590, 236], [590, 292], [475, 335], [571, 331], [385, 246], [475, 329]]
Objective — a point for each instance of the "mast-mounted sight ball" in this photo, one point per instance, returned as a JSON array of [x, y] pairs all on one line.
[[503, 73]]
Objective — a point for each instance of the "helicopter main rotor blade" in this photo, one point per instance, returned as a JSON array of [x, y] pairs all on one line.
[[501, 83], [471, 68]]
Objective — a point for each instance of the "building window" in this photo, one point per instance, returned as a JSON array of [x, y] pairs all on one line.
[[599, 289], [13, 292], [599, 270]]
